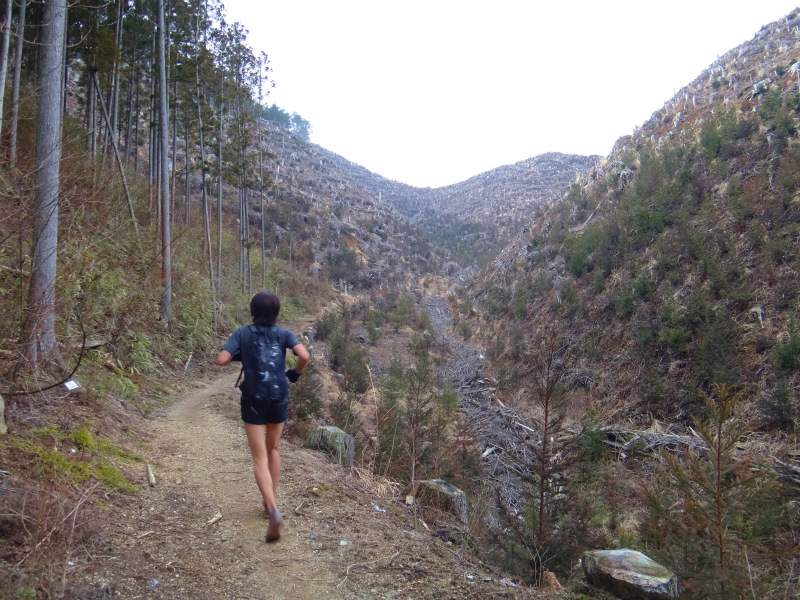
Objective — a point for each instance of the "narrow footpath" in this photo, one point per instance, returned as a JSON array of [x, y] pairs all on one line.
[[199, 532]]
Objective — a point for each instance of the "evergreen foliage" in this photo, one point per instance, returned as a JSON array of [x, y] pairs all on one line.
[[714, 506]]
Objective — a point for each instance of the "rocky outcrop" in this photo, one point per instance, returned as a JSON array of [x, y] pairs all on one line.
[[629, 574], [455, 496], [335, 442]]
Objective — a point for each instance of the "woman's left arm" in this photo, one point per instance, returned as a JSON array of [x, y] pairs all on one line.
[[302, 357]]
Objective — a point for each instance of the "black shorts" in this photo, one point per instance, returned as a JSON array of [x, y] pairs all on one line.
[[261, 412]]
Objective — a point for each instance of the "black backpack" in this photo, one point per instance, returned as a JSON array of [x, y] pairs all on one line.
[[263, 362]]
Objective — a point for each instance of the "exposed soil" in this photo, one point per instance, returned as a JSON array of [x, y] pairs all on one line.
[[170, 541]]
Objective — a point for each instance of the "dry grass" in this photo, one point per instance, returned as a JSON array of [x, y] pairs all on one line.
[[47, 533]]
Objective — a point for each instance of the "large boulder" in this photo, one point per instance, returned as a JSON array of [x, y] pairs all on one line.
[[629, 574], [335, 442], [446, 489]]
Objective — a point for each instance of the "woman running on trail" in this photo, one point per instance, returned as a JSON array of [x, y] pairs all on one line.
[[261, 347]]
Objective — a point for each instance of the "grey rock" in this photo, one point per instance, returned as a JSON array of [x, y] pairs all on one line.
[[629, 574], [335, 442], [455, 495], [3, 426]]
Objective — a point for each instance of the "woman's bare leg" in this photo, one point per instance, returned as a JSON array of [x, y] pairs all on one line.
[[274, 432], [256, 439]]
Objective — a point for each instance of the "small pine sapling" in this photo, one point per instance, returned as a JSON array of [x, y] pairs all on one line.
[[712, 498], [554, 451], [418, 419]]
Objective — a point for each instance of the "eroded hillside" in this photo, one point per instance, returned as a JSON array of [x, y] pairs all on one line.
[[670, 268], [675, 265], [470, 221]]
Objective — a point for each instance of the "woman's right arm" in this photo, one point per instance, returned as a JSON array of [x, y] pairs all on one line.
[[224, 358]]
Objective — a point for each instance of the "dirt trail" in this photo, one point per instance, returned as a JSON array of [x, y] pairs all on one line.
[[203, 468], [338, 546]]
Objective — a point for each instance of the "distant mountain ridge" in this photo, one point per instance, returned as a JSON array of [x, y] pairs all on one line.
[[496, 204], [505, 193]]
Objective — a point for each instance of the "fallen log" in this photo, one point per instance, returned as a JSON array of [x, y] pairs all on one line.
[[648, 441]]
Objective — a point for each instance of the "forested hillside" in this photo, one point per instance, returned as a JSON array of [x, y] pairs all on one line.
[[563, 354], [172, 148], [147, 193], [671, 270]]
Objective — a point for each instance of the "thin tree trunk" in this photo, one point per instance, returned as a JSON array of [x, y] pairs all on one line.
[[136, 117], [219, 189], [119, 162], [187, 205], [6, 43], [163, 117], [174, 148], [203, 191], [40, 325], [242, 240], [261, 178], [114, 104], [249, 262], [129, 103], [65, 72], [92, 88], [12, 150], [152, 129]]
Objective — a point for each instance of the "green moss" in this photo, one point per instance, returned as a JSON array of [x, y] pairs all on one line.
[[112, 479], [82, 438], [106, 448], [55, 464], [51, 463]]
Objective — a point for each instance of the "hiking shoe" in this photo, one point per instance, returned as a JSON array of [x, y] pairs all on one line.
[[274, 529]]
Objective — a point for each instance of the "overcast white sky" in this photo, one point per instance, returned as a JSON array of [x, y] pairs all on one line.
[[433, 92]]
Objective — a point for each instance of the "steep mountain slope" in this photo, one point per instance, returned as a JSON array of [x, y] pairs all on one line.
[[676, 264], [502, 195], [320, 212], [670, 268], [475, 218], [470, 219]]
